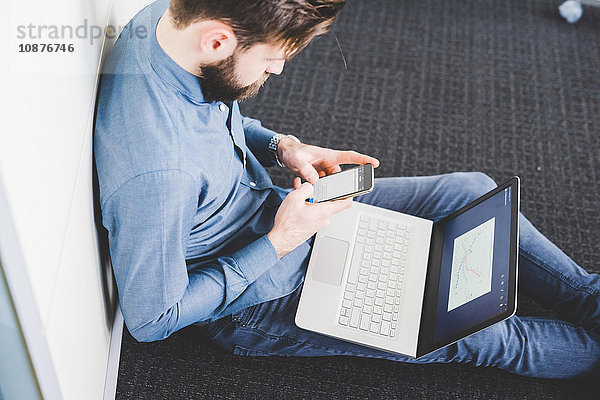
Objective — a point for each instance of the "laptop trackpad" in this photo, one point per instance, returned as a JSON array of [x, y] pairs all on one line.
[[331, 257]]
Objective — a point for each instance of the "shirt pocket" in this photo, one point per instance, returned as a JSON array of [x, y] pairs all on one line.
[[243, 317]]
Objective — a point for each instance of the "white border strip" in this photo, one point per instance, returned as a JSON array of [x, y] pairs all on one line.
[[114, 355], [24, 302]]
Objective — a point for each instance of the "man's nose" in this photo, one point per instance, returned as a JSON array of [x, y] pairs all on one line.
[[275, 67]]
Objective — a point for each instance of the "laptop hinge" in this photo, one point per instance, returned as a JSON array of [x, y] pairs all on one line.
[[430, 295]]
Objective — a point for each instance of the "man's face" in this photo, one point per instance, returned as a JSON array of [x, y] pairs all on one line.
[[241, 75]]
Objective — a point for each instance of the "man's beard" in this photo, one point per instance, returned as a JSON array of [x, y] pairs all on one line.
[[219, 82]]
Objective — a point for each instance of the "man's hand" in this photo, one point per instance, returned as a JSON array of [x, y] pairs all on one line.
[[312, 162], [296, 220]]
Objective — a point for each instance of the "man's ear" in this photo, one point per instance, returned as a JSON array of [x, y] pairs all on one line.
[[216, 40]]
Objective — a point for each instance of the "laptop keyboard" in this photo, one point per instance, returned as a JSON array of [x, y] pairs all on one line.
[[374, 288]]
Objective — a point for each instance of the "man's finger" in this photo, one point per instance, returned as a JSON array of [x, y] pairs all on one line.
[[305, 190], [334, 170], [309, 173], [352, 157], [297, 183], [334, 207]]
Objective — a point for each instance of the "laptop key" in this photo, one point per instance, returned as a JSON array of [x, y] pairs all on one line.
[[354, 319], [365, 322], [385, 328], [374, 327], [354, 266]]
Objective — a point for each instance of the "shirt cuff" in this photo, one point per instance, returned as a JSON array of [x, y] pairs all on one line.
[[258, 138], [256, 258]]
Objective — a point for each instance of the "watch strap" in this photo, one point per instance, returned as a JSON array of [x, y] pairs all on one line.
[[274, 145]]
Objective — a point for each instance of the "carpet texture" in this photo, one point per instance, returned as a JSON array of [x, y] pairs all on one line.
[[431, 86]]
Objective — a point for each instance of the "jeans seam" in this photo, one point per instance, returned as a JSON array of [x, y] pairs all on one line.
[[561, 277], [254, 350], [286, 338], [558, 322], [291, 340], [548, 321]]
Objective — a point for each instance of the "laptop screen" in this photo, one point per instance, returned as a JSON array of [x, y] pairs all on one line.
[[471, 277], [475, 266]]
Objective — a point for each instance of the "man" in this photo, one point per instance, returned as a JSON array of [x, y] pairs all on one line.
[[199, 235]]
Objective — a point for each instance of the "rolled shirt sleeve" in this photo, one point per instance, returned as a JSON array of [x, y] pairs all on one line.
[[149, 221]]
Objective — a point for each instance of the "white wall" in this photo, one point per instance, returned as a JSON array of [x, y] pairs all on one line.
[[47, 111]]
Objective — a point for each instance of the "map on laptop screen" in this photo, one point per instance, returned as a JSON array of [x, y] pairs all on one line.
[[472, 260]]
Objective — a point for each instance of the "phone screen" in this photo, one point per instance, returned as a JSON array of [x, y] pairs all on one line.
[[341, 184]]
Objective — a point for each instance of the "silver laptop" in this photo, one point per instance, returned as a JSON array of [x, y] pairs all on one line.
[[404, 284]]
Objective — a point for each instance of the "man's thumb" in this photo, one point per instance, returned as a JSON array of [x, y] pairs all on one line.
[[305, 190]]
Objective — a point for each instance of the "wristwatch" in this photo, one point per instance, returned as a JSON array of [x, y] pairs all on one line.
[[274, 144]]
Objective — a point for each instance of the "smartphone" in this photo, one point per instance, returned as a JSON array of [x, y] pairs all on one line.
[[349, 183]]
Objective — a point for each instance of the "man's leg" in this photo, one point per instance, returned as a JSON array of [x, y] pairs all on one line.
[[528, 346], [546, 273]]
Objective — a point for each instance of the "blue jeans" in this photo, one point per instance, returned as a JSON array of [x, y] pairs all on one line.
[[540, 347]]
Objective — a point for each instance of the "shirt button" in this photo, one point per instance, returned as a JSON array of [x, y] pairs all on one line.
[[222, 107], [252, 184]]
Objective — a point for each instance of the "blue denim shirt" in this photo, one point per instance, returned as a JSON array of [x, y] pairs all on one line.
[[187, 202]]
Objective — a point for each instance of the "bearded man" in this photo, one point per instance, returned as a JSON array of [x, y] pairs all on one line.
[[198, 233]]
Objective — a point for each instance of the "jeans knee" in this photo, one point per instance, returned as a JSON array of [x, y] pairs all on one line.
[[473, 184], [461, 188]]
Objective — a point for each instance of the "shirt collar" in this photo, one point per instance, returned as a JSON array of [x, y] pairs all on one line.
[[169, 71]]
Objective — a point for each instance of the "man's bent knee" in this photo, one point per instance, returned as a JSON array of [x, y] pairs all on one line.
[[468, 186]]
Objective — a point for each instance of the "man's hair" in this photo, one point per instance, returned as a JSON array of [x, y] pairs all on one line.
[[292, 23]]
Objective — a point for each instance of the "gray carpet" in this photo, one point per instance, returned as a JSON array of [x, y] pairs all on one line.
[[432, 86]]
